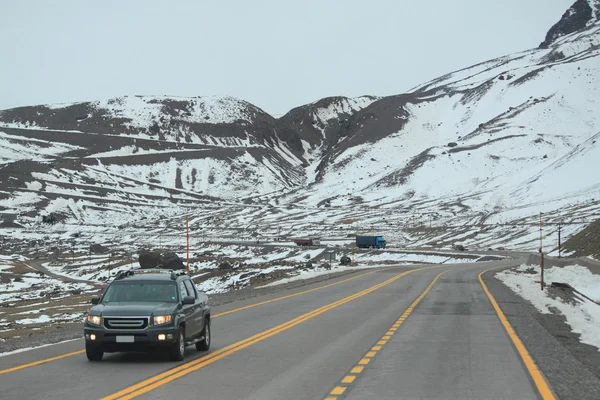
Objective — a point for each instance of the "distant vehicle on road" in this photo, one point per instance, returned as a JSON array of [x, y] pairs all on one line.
[[307, 242], [148, 310], [370, 242]]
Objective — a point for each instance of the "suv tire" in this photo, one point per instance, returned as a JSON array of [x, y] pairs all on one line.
[[94, 353], [204, 344], [177, 349]]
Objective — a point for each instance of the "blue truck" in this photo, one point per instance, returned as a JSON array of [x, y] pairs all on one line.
[[365, 242]]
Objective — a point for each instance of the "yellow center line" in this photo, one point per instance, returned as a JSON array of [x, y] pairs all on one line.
[[32, 364], [369, 355], [47, 360], [196, 364], [536, 375], [357, 370], [296, 294]]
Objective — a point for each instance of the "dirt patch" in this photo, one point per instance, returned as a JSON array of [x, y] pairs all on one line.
[[585, 243], [401, 177]]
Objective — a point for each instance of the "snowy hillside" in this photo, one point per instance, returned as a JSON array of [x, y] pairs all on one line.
[[318, 126], [128, 153], [473, 156], [504, 134]]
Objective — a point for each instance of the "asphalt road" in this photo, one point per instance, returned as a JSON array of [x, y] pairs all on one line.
[[389, 334]]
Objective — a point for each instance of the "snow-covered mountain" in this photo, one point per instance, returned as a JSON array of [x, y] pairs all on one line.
[[489, 133], [497, 142], [140, 151]]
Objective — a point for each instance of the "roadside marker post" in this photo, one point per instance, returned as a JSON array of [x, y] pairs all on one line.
[[559, 242], [187, 235], [541, 257]]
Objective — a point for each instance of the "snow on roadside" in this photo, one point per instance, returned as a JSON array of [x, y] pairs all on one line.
[[219, 284], [411, 258], [307, 274], [4, 267], [584, 317], [581, 278], [32, 285]]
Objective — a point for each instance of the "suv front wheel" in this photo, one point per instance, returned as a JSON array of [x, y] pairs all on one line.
[[177, 350]]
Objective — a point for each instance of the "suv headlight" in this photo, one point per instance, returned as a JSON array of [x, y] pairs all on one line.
[[94, 319], [162, 319]]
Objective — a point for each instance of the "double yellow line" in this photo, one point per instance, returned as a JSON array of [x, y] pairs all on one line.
[[194, 365], [60, 357], [366, 359]]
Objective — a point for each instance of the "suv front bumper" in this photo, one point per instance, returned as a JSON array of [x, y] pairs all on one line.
[[128, 340]]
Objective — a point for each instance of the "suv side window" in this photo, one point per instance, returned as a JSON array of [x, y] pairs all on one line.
[[183, 290], [191, 289]]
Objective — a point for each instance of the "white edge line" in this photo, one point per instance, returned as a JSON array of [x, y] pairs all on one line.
[[8, 353]]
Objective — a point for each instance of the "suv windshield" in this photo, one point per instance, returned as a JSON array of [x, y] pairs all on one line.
[[164, 292]]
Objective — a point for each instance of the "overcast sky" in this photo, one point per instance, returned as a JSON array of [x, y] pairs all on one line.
[[276, 54]]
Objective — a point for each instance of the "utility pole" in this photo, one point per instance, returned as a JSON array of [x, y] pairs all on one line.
[[187, 234], [541, 257], [559, 243]]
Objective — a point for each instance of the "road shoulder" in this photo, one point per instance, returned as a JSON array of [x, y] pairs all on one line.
[[571, 368]]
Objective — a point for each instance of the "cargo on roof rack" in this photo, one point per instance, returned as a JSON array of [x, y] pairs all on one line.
[[130, 272]]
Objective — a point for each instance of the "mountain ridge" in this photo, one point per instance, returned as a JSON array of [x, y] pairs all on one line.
[[497, 141]]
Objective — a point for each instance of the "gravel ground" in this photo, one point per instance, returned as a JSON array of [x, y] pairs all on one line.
[[571, 368], [59, 333]]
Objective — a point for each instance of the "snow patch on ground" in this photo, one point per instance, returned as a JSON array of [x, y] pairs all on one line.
[[584, 317], [32, 285], [307, 274]]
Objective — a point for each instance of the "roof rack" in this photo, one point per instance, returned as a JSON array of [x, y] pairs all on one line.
[[156, 270], [123, 274]]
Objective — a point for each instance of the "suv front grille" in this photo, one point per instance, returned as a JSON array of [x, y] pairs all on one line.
[[126, 322]]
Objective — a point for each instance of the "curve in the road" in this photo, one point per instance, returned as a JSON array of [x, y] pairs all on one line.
[[345, 385], [532, 368]]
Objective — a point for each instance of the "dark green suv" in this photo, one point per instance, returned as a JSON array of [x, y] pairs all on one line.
[[146, 310]]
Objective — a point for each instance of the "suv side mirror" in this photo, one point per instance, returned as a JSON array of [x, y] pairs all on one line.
[[189, 300], [95, 300]]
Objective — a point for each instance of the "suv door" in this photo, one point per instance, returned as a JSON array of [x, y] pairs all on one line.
[[199, 311], [188, 310]]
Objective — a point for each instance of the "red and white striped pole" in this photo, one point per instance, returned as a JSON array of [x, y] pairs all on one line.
[[187, 235]]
